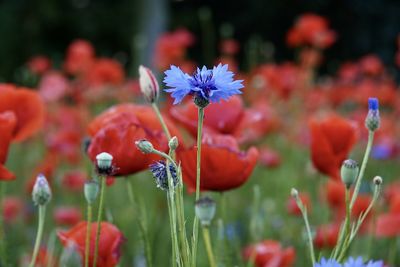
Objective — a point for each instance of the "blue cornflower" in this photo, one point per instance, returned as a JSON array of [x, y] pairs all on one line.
[[159, 171], [351, 262], [373, 103], [206, 85], [327, 263]]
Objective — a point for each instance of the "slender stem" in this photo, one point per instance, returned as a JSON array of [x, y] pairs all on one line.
[[207, 242], [160, 118], [50, 248], [345, 230], [172, 231], [303, 210], [88, 234], [3, 245], [42, 214], [198, 172], [99, 215], [362, 169], [181, 221]]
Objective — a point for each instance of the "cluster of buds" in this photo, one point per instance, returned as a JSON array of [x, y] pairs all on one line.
[[41, 193]]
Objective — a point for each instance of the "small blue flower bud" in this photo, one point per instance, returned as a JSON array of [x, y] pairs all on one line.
[[41, 193], [144, 146], [159, 171], [372, 121], [205, 210], [349, 172]]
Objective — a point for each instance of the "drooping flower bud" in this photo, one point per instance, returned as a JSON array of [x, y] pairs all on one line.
[[349, 172], [91, 190], [41, 193], [148, 84], [104, 163], [173, 143], [372, 121], [378, 180], [144, 146], [159, 171], [205, 210], [294, 193]]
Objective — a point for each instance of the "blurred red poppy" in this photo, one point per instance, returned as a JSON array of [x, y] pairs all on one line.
[[326, 235], [79, 58], [27, 106], [331, 141], [44, 259], [269, 158], [67, 215], [223, 165], [292, 207], [269, 253], [74, 181], [12, 208], [388, 225], [105, 71], [39, 64], [110, 242], [53, 86], [8, 122], [115, 131]]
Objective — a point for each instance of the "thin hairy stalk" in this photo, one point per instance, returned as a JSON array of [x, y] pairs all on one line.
[[42, 214], [207, 242], [88, 234], [160, 118], [99, 215]]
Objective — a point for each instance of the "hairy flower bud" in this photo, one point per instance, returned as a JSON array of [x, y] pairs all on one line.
[[372, 121], [41, 193], [205, 210], [173, 143], [294, 193], [91, 190], [144, 146], [349, 172], [148, 84]]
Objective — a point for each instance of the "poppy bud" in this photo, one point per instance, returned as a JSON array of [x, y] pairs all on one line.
[[173, 143], [91, 190], [372, 121], [205, 210], [41, 193], [104, 163], [349, 172], [148, 84], [144, 146], [377, 180]]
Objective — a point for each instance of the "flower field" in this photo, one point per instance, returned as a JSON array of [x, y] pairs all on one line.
[[185, 164]]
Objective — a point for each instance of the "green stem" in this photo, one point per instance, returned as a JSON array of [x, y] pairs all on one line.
[[42, 214], [181, 222], [160, 118], [3, 244], [198, 172], [99, 215], [88, 234], [207, 242]]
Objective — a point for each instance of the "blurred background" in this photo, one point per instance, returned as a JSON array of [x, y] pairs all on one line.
[[127, 30]]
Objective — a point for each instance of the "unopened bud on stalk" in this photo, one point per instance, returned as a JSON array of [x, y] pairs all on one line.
[[144, 146], [294, 193], [377, 180], [372, 121], [205, 210], [41, 193], [173, 143], [148, 84], [91, 190], [349, 172]]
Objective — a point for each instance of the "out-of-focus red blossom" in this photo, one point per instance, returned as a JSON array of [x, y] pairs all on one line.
[[39, 64], [388, 224], [110, 242], [310, 58], [326, 235], [220, 117], [74, 181], [311, 29], [105, 71], [334, 193], [8, 122], [292, 207], [229, 47], [269, 158], [171, 48], [116, 128], [79, 58], [53, 86], [12, 208], [218, 152], [371, 65], [332, 138], [269, 253], [43, 259], [46, 167], [67, 215], [27, 106]]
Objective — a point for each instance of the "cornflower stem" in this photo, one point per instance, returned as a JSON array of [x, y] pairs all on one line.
[[198, 173], [207, 242], [42, 214], [88, 234], [3, 244], [142, 221], [303, 210], [161, 119], [50, 248], [99, 215]]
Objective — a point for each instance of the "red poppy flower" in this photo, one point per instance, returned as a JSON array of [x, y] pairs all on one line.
[[221, 117], [39, 64], [269, 157], [80, 56], [105, 71], [388, 225], [67, 215], [26, 105], [109, 243], [53, 86], [327, 235], [269, 253], [331, 141], [46, 167], [12, 208], [223, 165], [292, 207], [43, 259], [74, 180], [115, 131], [8, 123]]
